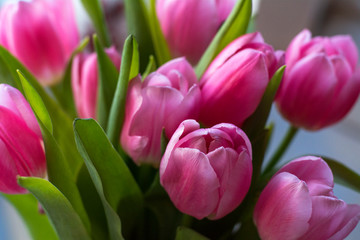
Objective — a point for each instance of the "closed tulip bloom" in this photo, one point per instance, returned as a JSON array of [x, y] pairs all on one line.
[[207, 172], [321, 81], [162, 101], [41, 34], [85, 83], [299, 203], [234, 83], [189, 26], [21, 147]]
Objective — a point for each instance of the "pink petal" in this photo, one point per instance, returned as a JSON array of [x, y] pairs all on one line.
[[283, 209], [294, 50], [350, 220], [234, 173], [348, 48], [314, 171], [191, 182]]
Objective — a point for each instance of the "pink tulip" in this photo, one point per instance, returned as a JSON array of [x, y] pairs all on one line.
[[207, 172], [41, 34], [84, 77], [189, 26], [299, 203], [21, 147], [162, 101], [321, 81], [235, 81]]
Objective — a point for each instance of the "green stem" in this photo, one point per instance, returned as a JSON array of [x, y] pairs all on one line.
[[281, 149], [186, 220]]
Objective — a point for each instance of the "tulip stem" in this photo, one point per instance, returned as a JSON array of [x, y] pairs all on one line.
[[281, 149], [186, 220]]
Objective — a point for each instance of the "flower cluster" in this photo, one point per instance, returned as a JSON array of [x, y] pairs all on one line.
[[173, 142]]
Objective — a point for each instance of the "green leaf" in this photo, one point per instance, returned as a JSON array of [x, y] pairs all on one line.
[[184, 233], [256, 122], [234, 26], [36, 102], [162, 52], [151, 67], [60, 175], [112, 178], [129, 68], [344, 175], [95, 11], [66, 222], [108, 75], [63, 90], [138, 26], [38, 224], [62, 125]]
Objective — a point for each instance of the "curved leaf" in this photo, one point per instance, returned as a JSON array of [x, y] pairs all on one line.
[[66, 222]]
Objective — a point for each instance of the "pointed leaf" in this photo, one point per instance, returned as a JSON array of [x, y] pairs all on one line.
[[112, 178], [129, 65], [66, 222], [36, 102], [138, 26], [344, 175], [38, 224], [95, 12], [256, 122], [62, 125], [234, 26], [151, 67], [108, 75]]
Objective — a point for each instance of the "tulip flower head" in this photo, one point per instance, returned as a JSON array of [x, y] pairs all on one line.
[[85, 83], [189, 25], [162, 101], [321, 81], [42, 34], [299, 203], [235, 81], [207, 172], [21, 143]]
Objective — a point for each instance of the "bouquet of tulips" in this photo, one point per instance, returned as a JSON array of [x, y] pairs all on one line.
[[167, 139]]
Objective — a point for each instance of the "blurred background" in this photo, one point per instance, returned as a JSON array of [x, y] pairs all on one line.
[[279, 21]]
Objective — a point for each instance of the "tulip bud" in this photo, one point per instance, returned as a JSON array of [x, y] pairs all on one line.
[[21, 148], [234, 83], [84, 77], [321, 81], [41, 34], [165, 98], [207, 172], [189, 26], [299, 203]]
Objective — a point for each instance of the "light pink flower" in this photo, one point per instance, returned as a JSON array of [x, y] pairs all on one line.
[[22, 153], [162, 101], [85, 83], [321, 81], [299, 203], [234, 83], [207, 172], [41, 34], [189, 26]]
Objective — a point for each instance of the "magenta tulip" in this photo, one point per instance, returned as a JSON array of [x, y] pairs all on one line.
[[41, 34], [162, 101], [299, 203], [84, 77], [207, 172], [235, 81], [321, 81], [189, 26], [21, 145]]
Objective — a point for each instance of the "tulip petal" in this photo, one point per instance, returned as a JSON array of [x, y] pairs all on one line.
[[314, 171], [181, 66], [234, 172], [294, 50], [350, 220], [191, 182], [283, 209], [348, 49], [12, 99]]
